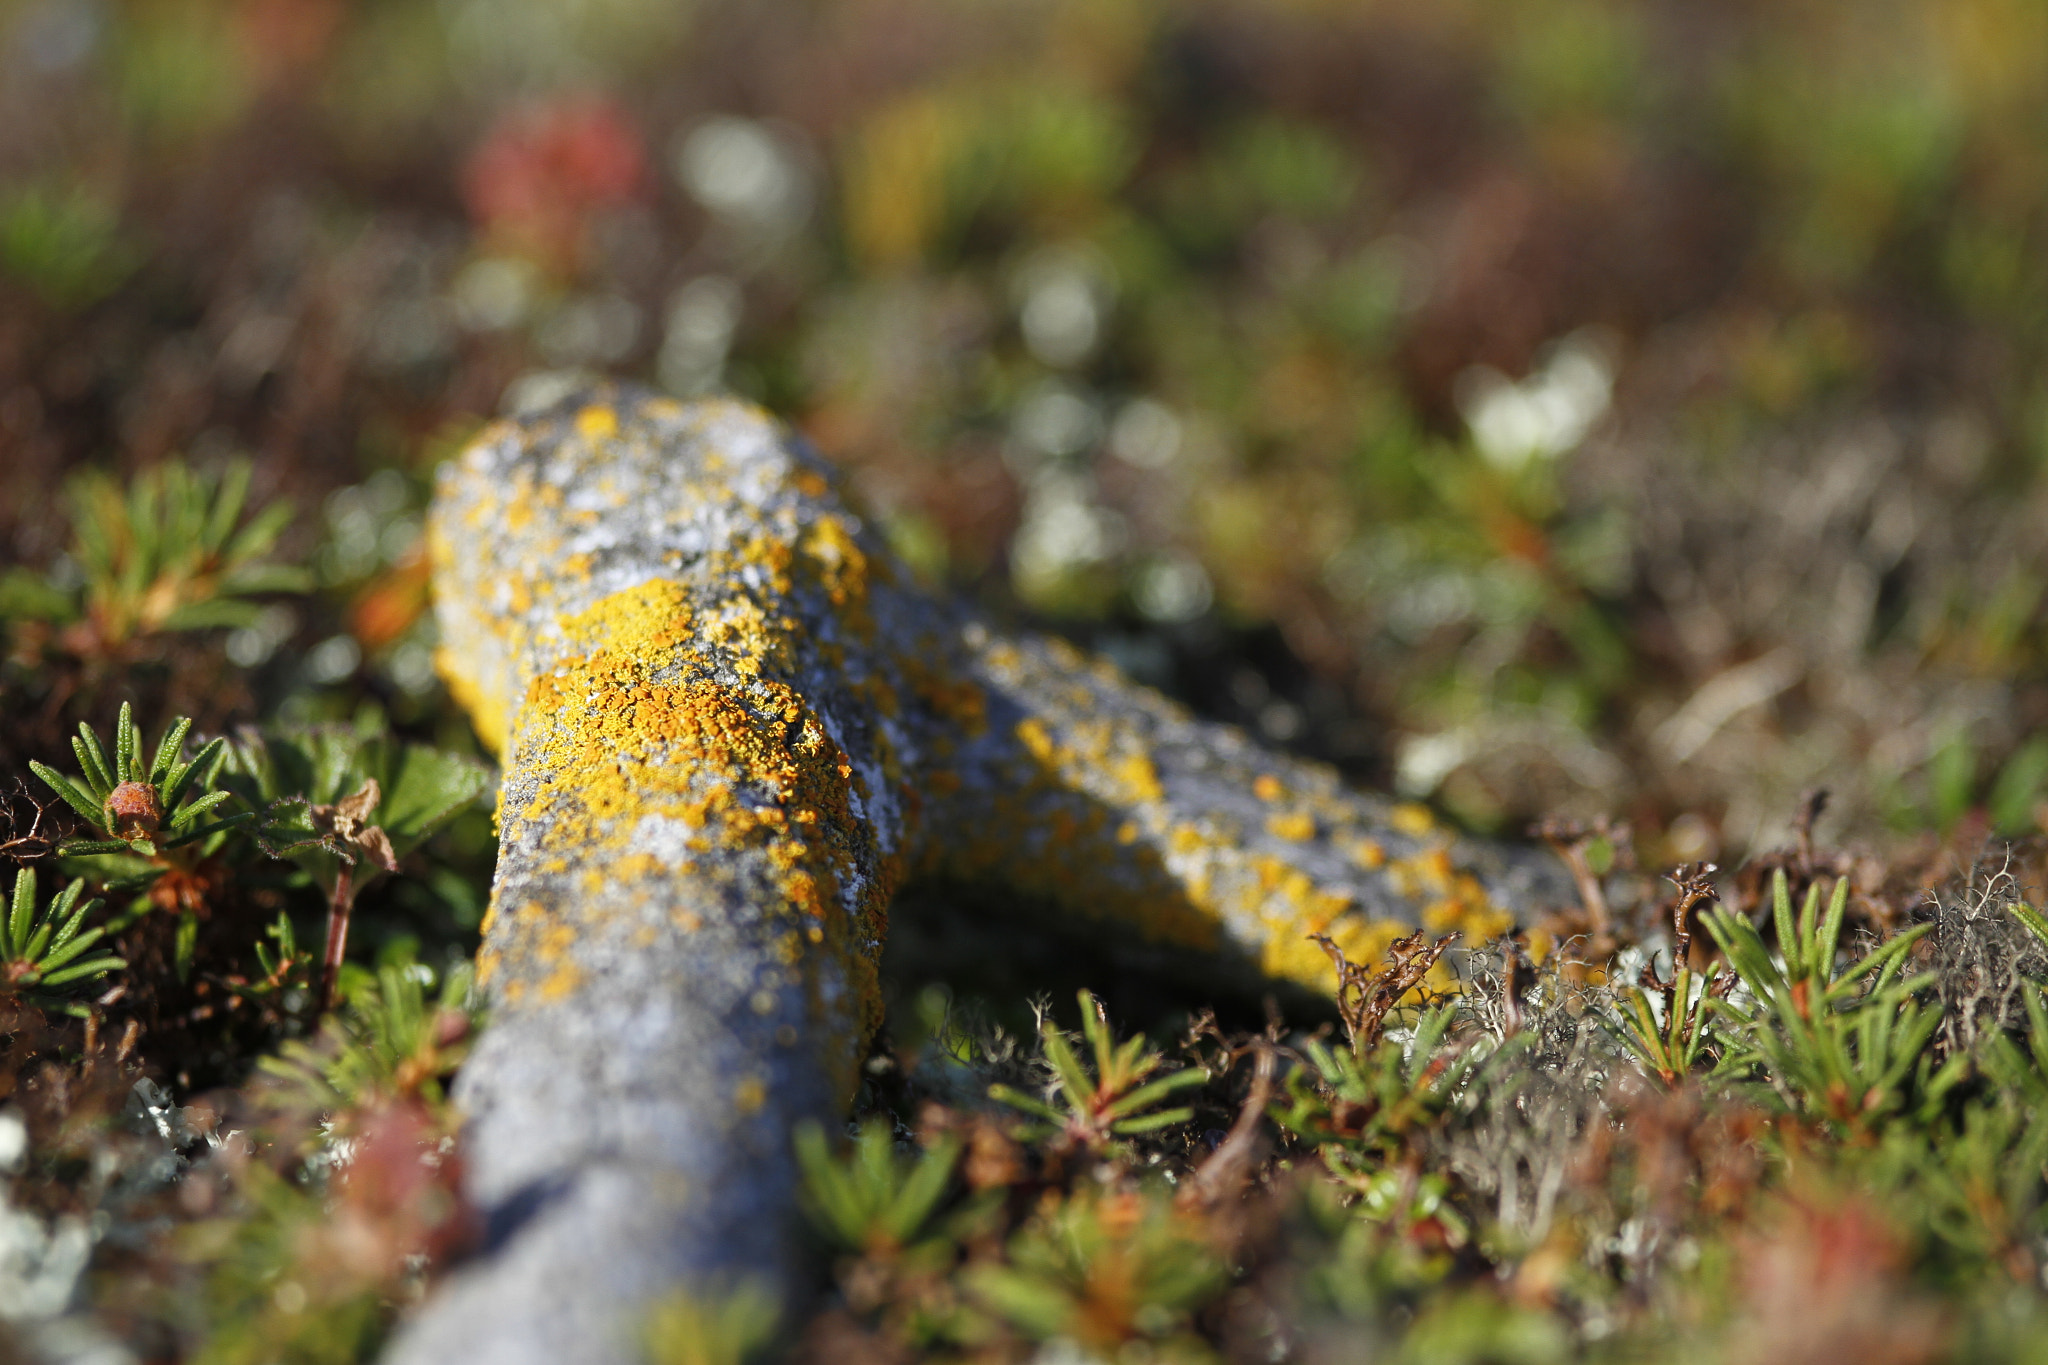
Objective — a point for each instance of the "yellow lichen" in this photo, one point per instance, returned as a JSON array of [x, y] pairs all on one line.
[[1036, 738], [1413, 818], [597, 423], [1139, 778], [1296, 826], [627, 723]]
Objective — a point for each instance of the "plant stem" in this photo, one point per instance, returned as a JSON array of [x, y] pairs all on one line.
[[338, 909]]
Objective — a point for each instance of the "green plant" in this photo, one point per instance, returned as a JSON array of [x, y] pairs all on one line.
[[1360, 1260], [265, 1297], [1352, 1106], [1970, 1183], [1478, 1327], [387, 1041], [873, 1202], [279, 969], [314, 791], [1113, 1101], [45, 946], [1103, 1269], [712, 1327], [1672, 1038], [141, 809], [1833, 1045], [170, 552], [1970, 1176], [64, 243]]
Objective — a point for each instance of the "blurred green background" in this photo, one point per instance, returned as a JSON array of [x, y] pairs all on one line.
[[1538, 406]]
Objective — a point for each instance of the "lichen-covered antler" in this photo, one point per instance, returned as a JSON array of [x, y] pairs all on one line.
[[732, 728]]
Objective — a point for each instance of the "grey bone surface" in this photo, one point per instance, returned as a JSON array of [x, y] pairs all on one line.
[[669, 997]]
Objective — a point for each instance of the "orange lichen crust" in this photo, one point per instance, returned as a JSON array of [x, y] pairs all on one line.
[[732, 727], [1112, 801], [632, 728]]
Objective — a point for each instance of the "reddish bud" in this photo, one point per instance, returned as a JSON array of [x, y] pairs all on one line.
[[133, 811]]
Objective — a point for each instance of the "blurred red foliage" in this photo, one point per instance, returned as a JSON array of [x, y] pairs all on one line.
[[545, 171]]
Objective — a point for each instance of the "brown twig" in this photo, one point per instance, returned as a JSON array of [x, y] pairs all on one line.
[[1570, 840], [1225, 1170], [1365, 994], [345, 829], [339, 907], [1812, 802], [35, 844], [1695, 887]]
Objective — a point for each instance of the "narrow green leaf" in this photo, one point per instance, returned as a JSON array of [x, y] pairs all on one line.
[[85, 848], [1146, 1123], [1128, 1063], [92, 760], [829, 1194], [212, 613], [68, 897], [93, 782], [184, 514], [921, 1192], [78, 971], [187, 946], [1952, 777], [142, 520], [32, 951], [1702, 1008], [1809, 912], [1781, 914], [874, 1164], [1154, 1091], [1883, 959], [1030, 1104], [167, 751], [1917, 1027], [91, 545], [1641, 1033], [1073, 1077], [1096, 1030], [194, 809], [1038, 1306], [1745, 951], [2037, 1025], [261, 578], [124, 744], [2029, 916], [201, 771], [71, 924], [258, 534], [227, 505], [59, 956], [68, 790], [1831, 930], [19, 911]]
